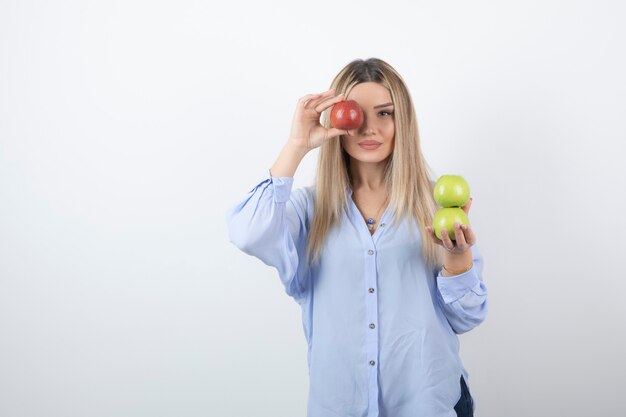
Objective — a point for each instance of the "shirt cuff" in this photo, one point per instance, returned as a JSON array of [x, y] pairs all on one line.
[[454, 287], [282, 187]]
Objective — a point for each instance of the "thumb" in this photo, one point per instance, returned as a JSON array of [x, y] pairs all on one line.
[[467, 206], [334, 132]]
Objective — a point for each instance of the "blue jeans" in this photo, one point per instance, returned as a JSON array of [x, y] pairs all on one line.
[[465, 406]]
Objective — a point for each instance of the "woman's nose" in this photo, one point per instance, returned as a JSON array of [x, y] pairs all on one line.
[[366, 128]]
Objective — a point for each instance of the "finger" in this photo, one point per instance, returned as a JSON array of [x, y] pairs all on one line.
[[431, 233], [328, 102], [470, 237], [460, 237], [466, 207], [303, 101], [447, 242], [312, 104], [333, 133]]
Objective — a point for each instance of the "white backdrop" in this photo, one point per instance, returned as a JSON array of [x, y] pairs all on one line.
[[127, 129]]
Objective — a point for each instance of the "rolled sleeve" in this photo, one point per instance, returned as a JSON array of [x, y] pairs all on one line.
[[455, 287], [463, 297], [282, 188], [270, 224]]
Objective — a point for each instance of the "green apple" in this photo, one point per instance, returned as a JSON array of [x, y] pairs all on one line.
[[445, 219], [451, 191]]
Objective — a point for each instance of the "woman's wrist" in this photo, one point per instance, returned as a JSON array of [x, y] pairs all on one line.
[[457, 263], [453, 272]]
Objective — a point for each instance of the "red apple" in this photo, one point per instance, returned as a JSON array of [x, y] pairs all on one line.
[[346, 115]]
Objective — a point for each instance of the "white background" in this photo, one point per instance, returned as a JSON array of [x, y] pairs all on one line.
[[128, 128]]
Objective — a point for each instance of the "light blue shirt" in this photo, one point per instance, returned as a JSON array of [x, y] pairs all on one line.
[[381, 326]]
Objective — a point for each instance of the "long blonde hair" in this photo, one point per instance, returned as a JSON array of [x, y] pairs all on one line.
[[407, 174]]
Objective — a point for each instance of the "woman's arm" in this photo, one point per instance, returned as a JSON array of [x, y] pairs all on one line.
[[463, 297], [462, 293], [271, 222], [306, 132]]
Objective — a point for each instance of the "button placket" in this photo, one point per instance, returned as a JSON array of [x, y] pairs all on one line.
[[370, 255], [371, 316]]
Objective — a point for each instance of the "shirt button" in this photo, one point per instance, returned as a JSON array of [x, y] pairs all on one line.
[[370, 252], [382, 225], [372, 325], [371, 290], [372, 363]]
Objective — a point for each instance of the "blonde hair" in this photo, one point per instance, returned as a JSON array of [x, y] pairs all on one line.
[[407, 174]]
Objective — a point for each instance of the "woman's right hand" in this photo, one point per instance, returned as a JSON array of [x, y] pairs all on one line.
[[306, 130]]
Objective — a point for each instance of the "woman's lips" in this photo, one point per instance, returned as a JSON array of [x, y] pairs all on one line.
[[369, 144]]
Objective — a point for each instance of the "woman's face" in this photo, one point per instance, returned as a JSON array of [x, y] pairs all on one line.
[[373, 141]]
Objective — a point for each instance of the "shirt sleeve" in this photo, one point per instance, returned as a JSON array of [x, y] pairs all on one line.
[[270, 223], [463, 297]]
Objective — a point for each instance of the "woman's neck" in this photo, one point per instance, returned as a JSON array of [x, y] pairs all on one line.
[[368, 177]]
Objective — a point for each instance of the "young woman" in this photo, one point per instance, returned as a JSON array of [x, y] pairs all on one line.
[[382, 298]]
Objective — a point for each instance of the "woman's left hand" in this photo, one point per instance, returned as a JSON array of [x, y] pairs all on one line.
[[464, 236]]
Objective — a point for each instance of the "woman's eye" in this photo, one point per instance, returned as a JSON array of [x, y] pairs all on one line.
[[385, 113]]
